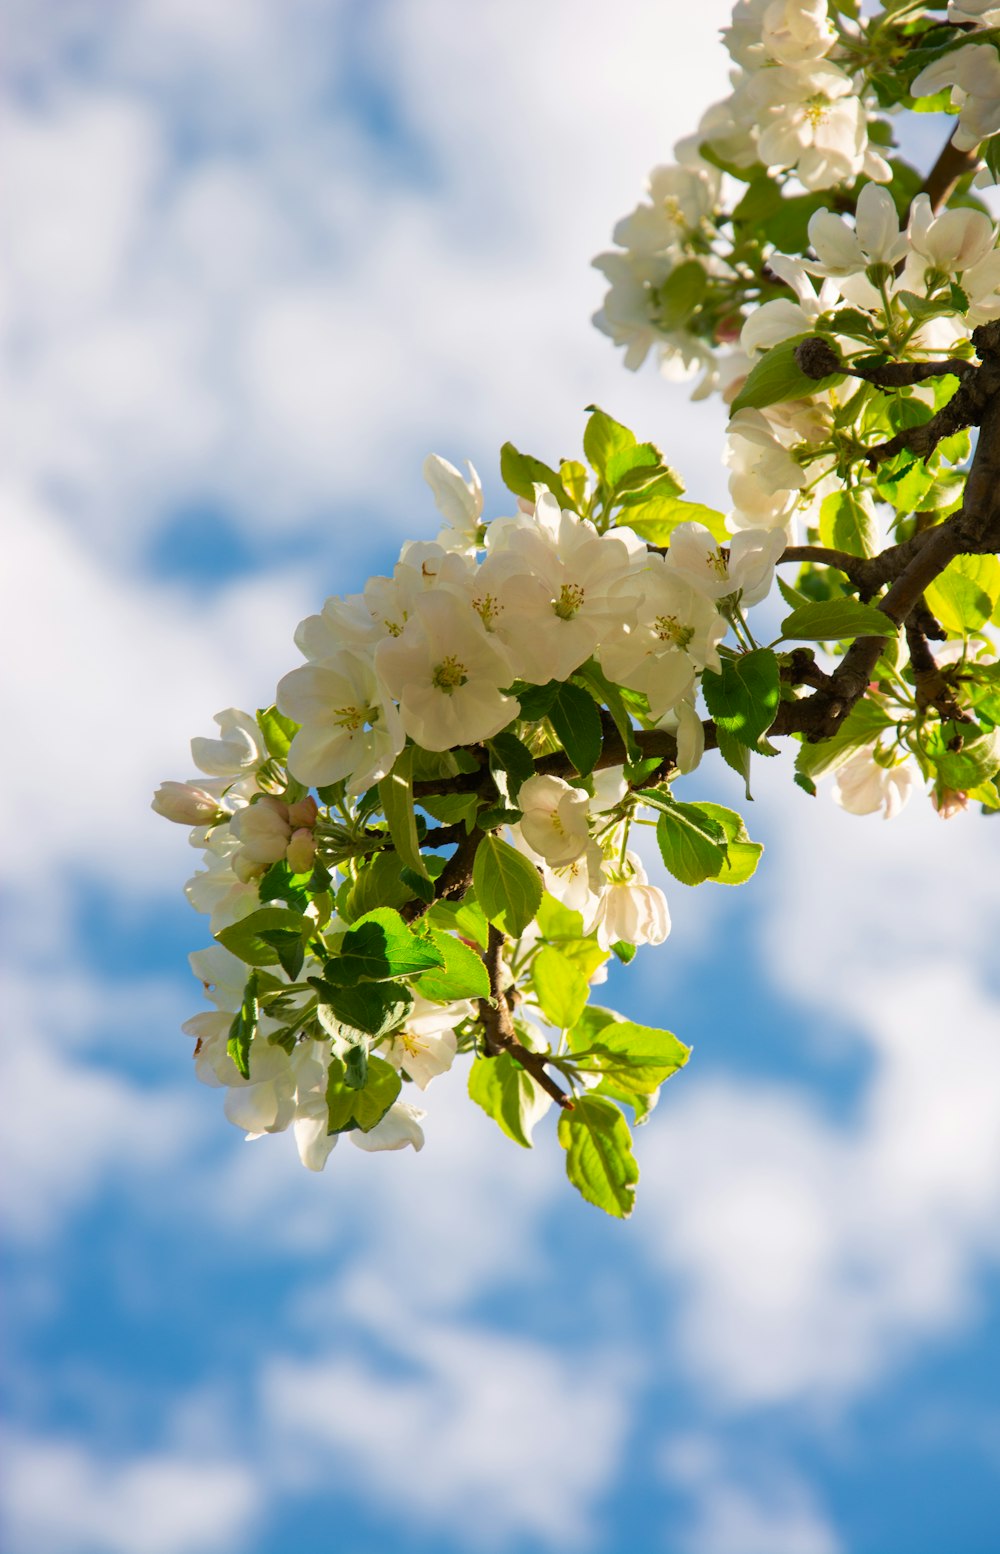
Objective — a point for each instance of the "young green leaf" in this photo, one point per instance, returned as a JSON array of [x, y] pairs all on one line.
[[655, 520], [742, 855], [514, 758], [349, 1107], [507, 1094], [599, 1158], [462, 973], [244, 1027], [577, 723], [396, 798], [278, 731], [965, 594], [561, 987], [521, 473], [507, 886], [778, 376], [257, 937], [381, 946], [743, 699], [372, 1007], [692, 845], [835, 620], [635, 1057], [846, 523]]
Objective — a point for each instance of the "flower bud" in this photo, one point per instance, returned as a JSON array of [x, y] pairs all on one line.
[[303, 813], [188, 805], [301, 850]]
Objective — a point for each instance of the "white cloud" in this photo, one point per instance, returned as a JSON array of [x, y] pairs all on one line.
[[63, 1499], [735, 1511], [488, 1434]]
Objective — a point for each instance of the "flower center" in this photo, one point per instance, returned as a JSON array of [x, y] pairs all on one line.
[[669, 629], [672, 209], [352, 718], [488, 609], [717, 563], [816, 109], [448, 674], [571, 597]]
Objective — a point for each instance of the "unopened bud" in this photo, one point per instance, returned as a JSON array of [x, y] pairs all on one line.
[[188, 805], [301, 851], [303, 813]]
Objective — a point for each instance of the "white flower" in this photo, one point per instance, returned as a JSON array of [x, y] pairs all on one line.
[[459, 501], [631, 910], [626, 313], [219, 892], [765, 478], [349, 727], [399, 1127], [550, 577], [554, 819], [188, 805], [681, 199], [426, 1045], [794, 32], [875, 238], [675, 633], [862, 785], [748, 571], [684, 723], [239, 750], [973, 73], [811, 119], [782, 319], [981, 13], [446, 674]]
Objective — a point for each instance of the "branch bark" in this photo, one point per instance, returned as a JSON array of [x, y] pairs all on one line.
[[498, 1027]]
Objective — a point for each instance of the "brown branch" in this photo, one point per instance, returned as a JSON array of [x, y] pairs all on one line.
[[454, 879], [498, 1027], [950, 168], [824, 555], [932, 689]]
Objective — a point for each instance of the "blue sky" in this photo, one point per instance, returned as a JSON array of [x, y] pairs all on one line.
[[259, 259]]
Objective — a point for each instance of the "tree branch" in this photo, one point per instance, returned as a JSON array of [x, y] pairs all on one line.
[[498, 1027]]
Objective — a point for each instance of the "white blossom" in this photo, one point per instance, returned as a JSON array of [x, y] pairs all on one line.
[[350, 728], [459, 501], [631, 910], [863, 785], [426, 1044], [973, 73], [675, 632], [239, 749], [811, 119], [447, 674], [554, 819]]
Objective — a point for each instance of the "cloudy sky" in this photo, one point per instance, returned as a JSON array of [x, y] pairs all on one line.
[[257, 258]]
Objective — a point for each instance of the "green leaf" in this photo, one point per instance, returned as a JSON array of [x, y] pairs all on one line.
[[656, 520], [379, 947], [520, 473], [862, 726], [244, 1027], [507, 1094], [396, 799], [845, 523], [556, 921], [679, 295], [536, 700], [378, 884], [976, 762], [742, 855], [636, 1058], [743, 699], [462, 973], [278, 731], [778, 376], [349, 1107], [605, 691], [452, 808], [561, 987], [466, 918], [834, 620], [255, 938], [905, 482], [507, 886], [599, 1158], [965, 594], [577, 723], [372, 1007], [736, 755], [278, 883], [692, 845], [514, 758], [574, 478], [603, 439]]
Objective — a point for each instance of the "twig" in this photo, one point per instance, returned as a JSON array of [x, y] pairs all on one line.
[[498, 1027]]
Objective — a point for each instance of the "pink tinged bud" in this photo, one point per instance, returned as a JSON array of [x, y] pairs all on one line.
[[187, 805], [303, 813], [301, 851], [949, 802]]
